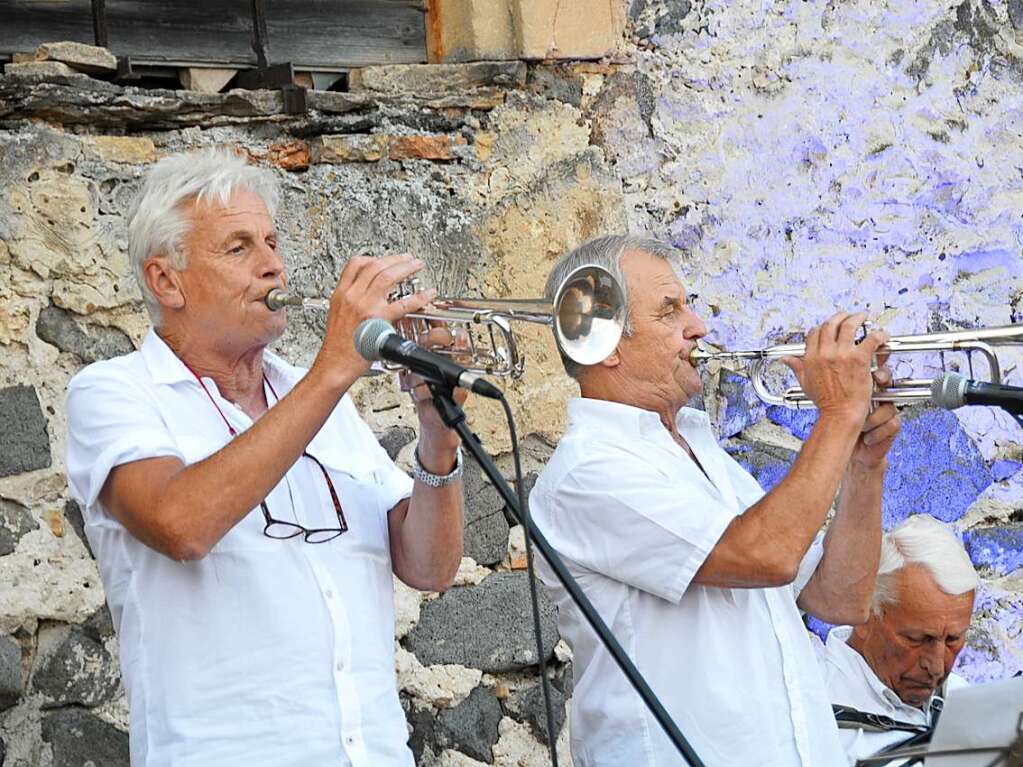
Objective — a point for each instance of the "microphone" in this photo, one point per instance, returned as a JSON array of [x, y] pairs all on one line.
[[375, 340], [952, 390]]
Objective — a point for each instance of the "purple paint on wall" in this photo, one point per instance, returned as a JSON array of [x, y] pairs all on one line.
[[1000, 548], [934, 468]]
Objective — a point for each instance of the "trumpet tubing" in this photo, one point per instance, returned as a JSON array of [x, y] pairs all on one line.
[[903, 391], [586, 315]]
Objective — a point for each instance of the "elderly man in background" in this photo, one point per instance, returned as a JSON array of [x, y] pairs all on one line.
[[898, 663], [245, 520], [695, 569]]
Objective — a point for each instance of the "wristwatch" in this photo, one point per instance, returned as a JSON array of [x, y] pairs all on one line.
[[436, 480]]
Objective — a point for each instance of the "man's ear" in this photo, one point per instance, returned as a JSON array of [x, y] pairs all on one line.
[[612, 360], [163, 282]]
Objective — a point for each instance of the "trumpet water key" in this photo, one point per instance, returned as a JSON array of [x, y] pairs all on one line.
[[586, 315], [903, 391]]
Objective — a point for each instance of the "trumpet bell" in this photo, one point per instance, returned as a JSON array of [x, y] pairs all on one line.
[[589, 311]]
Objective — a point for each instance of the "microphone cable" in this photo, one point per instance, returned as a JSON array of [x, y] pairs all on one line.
[[552, 735]]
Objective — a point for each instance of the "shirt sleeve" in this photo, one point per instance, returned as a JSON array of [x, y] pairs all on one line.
[[808, 564], [630, 522], [110, 421]]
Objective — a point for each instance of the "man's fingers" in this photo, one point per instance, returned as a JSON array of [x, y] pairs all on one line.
[[849, 326], [883, 377], [830, 328], [408, 305], [352, 270], [401, 264], [882, 414], [886, 431]]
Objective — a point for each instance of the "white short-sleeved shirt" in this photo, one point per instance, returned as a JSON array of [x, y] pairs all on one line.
[[264, 652], [634, 519], [852, 682]]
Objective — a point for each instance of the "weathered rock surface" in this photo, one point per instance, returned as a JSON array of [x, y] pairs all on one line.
[[79, 671], [486, 528], [471, 726], [528, 706], [81, 739], [84, 58], [489, 627], [90, 343], [22, 431], [15, 521], [11, 684]]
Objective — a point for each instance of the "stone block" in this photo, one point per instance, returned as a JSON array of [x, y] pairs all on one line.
[[395, 438], [355, 147], [78, 670], [470, 30], [84, 58], [471, 727], [39, 69], [768, 463], [15, 522], [100, 625], [420, 148], [476, 30], [528, 706], [22, 431], [79, 739], [999, 548], [421, 79], [130, 150], [11, 685], [73, 514], [569, 29], [486, 528], [934, 468], [290, 155], [489, 627], [90, 343], [205, 79]]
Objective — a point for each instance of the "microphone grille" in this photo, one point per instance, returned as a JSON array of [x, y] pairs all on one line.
[[369, 335], [949, 390]]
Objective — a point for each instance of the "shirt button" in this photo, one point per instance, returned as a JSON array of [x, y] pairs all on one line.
[[340, 666], [330, 594]]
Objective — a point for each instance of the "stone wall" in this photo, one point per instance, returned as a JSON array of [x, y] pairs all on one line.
[[812, 157]]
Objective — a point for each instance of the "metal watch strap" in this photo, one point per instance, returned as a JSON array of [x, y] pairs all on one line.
[[436, 480]]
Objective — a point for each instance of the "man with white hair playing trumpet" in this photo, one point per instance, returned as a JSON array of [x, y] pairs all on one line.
[[245, 521], [887, 676]]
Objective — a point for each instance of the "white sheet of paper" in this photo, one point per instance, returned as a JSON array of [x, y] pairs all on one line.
[[987, 715]]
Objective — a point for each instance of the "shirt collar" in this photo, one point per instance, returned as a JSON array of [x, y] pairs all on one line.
[[838, 643], [627, 420], [166, 367]]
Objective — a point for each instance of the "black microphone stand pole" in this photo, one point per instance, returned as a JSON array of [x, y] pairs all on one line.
[[454, 417]]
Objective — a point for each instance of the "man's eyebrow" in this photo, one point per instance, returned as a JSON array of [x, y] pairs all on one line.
[[244, 234]]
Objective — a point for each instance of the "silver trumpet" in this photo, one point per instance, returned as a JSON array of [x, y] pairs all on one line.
[[903, 391], [586, 315]]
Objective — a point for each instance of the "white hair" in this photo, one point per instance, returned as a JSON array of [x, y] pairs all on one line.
[[923, 540], [156, 224], [607, 252]]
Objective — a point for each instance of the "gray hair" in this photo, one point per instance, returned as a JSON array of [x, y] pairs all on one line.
[[156, 224], [923, 540], [607, 252]]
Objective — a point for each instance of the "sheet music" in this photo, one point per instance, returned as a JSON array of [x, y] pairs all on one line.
[[985, 716]]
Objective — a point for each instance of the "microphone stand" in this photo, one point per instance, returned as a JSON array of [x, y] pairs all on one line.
[[454, 417]]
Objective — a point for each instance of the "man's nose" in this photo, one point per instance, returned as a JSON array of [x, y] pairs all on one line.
[[695, 327], [932, 659], [272, 265]]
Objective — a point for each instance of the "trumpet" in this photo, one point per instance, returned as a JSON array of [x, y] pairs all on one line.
[[905, 391], [586, 315]]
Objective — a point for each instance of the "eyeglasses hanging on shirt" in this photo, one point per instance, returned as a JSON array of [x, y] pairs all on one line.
[[280, 529]]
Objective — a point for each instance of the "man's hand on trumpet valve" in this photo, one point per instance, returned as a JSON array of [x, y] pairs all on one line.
[[835, 371], [436, 441], [881, 427], [362, 292]]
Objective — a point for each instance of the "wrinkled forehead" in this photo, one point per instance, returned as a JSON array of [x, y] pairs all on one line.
[[243, 209], [921, 605]]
